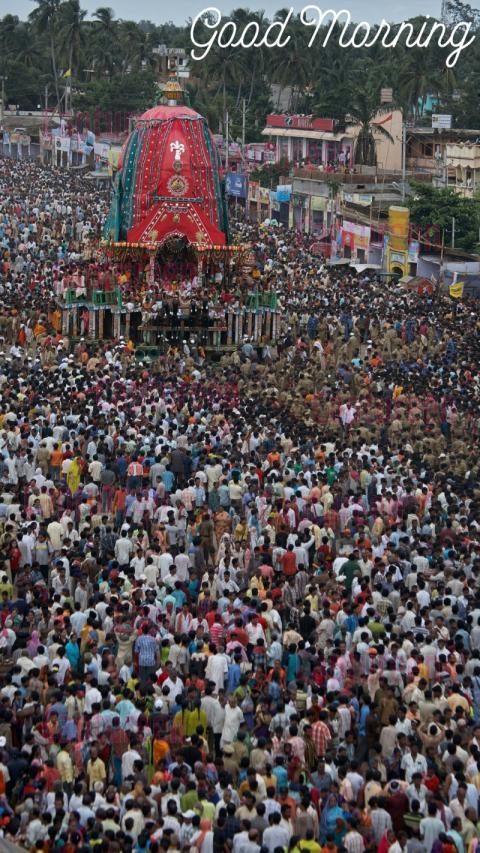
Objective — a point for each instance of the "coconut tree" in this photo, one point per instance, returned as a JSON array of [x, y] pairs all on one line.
[[106, 46], [135, 46], [72, 32], [364, 112], [292, 66], [333, 89], [105, 21], [45, 20], [9, 31], [418, 77], [29, 51]]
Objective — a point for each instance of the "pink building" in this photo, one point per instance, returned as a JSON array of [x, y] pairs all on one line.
[[320, 142], [312, 140]]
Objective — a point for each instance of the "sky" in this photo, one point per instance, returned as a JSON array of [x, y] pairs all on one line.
[[160, 11]]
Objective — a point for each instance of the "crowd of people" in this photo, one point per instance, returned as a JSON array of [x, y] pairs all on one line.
[[240, 600]]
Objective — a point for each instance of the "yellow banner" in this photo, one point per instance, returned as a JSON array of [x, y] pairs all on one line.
[[456, 290]]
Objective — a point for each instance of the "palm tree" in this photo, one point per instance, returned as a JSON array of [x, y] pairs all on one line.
[[334, 87], [45, 20], [9, 27], [106, 22], [106, 46], [294, 69], [72, 32], [364, 109], [416, 80], [29, 52], [135, 46]]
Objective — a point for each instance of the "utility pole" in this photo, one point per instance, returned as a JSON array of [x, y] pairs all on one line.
[[440, 272], [3, 78], [46, 98], [404, 157], [243, 132], [453, 232], [226, 140]]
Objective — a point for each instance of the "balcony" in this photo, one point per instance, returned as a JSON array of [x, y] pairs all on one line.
[[463, 155], [423, 164]]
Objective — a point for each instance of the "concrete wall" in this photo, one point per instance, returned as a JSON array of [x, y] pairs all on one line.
[[389, 153], [320, 188]]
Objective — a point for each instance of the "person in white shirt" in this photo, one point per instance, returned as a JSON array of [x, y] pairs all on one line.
[[60, 666], [123, 549], [151, 572], [36, 830], [165, 561], [92, 696], [138, 564], [182, 563], [233, 718], [128, 759], [275, 835], [413, 762], [55, 532], [255, 631], [431, 827]]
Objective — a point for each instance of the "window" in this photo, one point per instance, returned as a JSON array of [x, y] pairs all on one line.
[[297, 149], [317, 221], [314, 151], [427, 149]]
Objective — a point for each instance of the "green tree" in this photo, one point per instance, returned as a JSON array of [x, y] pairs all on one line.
[[72, 33], [130, 93], [429, 205], [45, 20], [417, 79], [105, 43], [325, 80]]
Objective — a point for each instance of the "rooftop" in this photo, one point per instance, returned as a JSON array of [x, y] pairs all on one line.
[[453, 131], [370, 176]]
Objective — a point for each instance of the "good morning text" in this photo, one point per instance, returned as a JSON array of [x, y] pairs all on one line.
[[226, 33]]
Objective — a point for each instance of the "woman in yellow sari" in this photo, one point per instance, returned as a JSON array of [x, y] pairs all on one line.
[[74, 476]]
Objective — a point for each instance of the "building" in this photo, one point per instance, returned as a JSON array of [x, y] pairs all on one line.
[[320, 141], [436, 151], [320, 200], [172, 61], [304, 138], [463, 167], [455, 265]]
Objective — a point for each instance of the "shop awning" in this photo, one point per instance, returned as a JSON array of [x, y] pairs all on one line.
[[363, 267], [96, 176], [338, 262], [301, 133]]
